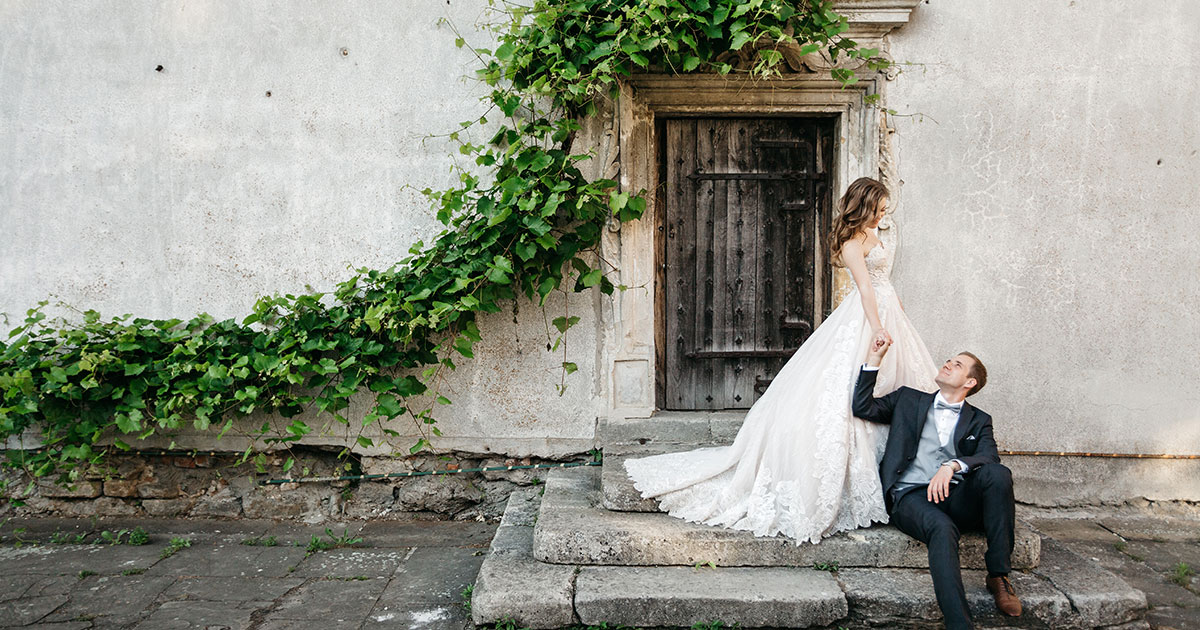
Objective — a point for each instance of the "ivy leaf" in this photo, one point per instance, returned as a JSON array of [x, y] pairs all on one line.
[[388, 404], [690, 63], [563, 323], [591, 278], [569, 367], [130, 422], [739, 39], [525, 250]]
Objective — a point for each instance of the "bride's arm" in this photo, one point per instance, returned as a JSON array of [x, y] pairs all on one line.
[[854, 258]]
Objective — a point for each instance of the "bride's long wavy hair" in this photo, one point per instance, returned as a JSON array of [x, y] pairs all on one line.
[[855, 210]]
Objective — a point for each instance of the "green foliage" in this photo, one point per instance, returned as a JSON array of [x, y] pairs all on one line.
[[269, 541], [175, 546], [136, 536], [465, 595], [832, 567], [1181, 574], [318, 544], [571, 52], [522, 222]]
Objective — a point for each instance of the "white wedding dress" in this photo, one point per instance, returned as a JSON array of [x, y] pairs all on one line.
[[801, 465]]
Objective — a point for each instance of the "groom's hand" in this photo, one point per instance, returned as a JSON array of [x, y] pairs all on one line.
[[939, 486], [879, 347]]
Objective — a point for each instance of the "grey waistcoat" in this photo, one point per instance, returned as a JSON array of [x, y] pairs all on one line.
[[930, 455]]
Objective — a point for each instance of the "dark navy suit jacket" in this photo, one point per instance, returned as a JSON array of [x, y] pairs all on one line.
[[906, 410]]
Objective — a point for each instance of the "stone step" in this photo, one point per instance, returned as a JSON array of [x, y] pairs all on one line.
[[574, 528], [616, 488], [1066, 591], [672, 427]]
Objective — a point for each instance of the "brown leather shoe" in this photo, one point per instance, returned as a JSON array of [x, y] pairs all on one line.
[[1006, 598]]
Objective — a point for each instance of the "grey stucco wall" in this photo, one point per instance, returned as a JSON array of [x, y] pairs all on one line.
[[167, 193], [1045, 217], [1048, 213]]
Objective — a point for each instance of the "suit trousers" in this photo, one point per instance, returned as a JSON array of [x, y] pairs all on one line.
[[983, 500]]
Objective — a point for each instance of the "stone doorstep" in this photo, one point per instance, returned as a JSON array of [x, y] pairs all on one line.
[[573, 528], [672, 427], [513, 584]]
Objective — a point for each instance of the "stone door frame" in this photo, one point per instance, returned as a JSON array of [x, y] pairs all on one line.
[[631, 345]]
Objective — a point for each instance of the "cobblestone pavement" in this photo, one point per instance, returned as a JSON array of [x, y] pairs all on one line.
[[238, 574], [261, 575]]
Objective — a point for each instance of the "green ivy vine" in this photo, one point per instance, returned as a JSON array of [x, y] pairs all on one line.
[[522, 223]]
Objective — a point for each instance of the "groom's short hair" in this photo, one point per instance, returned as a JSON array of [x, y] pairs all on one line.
[[977, 372]]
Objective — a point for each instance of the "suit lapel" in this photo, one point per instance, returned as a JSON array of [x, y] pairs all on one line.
[[923, 415], [964, 421]]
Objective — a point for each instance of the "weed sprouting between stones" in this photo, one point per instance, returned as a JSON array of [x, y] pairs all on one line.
[[318, 544], [466, 597], [174, 546], [269, 541], [137, 536], [1181, 574]]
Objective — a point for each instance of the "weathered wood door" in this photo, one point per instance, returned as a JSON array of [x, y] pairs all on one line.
[[744, 277]]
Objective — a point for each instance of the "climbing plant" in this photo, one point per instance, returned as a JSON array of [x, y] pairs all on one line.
[[521, 223]]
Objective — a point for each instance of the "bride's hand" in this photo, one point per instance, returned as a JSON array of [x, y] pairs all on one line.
[[881, 335]]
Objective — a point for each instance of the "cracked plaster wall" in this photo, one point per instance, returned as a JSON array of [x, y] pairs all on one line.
[[1047, 222]]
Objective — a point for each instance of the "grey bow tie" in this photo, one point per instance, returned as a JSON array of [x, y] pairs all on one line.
[[948, 407]]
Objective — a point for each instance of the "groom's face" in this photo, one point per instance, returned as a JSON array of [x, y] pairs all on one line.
[[956, 372]]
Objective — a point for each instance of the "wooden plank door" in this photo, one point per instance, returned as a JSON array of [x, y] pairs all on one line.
[[745, 276]]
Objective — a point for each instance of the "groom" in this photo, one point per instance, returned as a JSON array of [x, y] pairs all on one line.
[[941, 473]]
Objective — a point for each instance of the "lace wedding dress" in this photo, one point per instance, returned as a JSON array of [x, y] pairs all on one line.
[[802, 465]]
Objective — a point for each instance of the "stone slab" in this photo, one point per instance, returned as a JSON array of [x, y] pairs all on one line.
[[231, 589], [335, 601], [617, 491], [434, 575], [513, 585], [574, 528], [352, 563], [1099, 597], [121, 598], [71, 559], [663, 427], [201, 615], [1155, 528], [684, 596], [887, 596], [430, 617]]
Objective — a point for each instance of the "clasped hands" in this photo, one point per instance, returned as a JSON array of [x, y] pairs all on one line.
[[879, 346]]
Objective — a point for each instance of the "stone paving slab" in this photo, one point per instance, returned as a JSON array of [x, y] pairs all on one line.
[[116, 599], [72, 559], [201, 615], [336, 601], [417, 533], [232, 560], [422, 617], [220, 582], [231, 589], [1155, 528], [1098, 596], [683, 596], [434, 576], [903, 595], [351, 563], [573, 528], [1170, 604]]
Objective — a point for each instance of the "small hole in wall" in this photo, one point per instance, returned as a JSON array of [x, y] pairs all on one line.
[[268, 93], [345, 51], [1160, 162], [158, 69]]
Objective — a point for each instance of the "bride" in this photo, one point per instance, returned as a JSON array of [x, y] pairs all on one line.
[[801, 464]]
